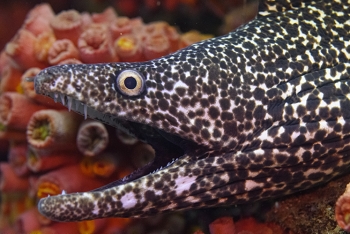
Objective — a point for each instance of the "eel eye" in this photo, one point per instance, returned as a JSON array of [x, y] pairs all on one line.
[[130, 83]]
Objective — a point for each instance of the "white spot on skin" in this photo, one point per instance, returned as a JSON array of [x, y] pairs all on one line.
[[250, 185], [128, 200], [184, 183]]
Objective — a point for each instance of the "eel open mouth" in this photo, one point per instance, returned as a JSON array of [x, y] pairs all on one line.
[[129, 191], [168, 147]]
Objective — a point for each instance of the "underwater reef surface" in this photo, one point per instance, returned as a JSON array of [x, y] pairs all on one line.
[[52, 150]]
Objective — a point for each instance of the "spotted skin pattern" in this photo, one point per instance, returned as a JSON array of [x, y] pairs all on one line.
[[261, 112]]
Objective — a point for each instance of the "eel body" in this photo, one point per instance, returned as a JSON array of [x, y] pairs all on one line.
[[261, 112]]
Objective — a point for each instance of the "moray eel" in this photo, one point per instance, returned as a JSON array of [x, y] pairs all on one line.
[[261, 112]]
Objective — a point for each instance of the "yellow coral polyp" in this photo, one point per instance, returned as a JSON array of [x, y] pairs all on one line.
[[100, 168], [103, 168], [87, 227], [19, 89], [347, 218], [47, 188], [32, 157], [86, 167], [36, 232], [126, 43], [42, 131], [2, 127], [43, 44]]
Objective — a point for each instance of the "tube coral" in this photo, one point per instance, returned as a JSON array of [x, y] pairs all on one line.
[[342, 210], [39, 162], [125, 138], [61, 50], [155, 46], [119, 27], [94, 45], [42, 45], [223, 225], [21, 47], [27, 221], [70, 61], [53, 131], [9, 181], [92, 138], [191, 37], [67, 25], [58, 228], [12, 115], [68, 179], [128, 48], [108, 15], [173, 37], [10, 79], [37, 20], [17, 158], [142, 154], [103, 166]]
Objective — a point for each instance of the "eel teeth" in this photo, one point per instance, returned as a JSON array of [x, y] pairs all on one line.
[[62, 99], [55, 97], [77, 103], [85, 111], [69, 103]]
